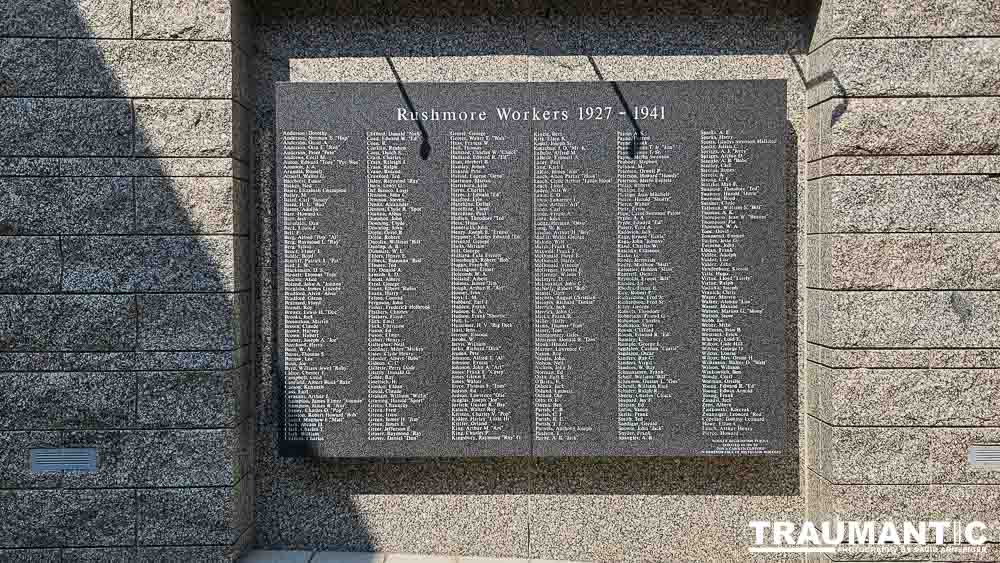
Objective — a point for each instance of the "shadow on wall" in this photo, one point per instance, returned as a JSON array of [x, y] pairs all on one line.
[[123, 289]]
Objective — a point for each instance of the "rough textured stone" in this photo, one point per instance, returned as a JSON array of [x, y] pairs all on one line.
[[227, 554], [186, 458], [904, 67], [183, 19], [119, 454], [193, 398], [67, 322], [879, 358], [184, 128], [39, 400], [923, 164], [905, 203], [100, 555], [194, 360], [989, 358], [902, 319], [193, 322], [119, 167], [65, 18], [115, 68], [908, 261], [901, 126], [65, 127], [190, 516], [903, 397], [71, 67], [63, 517], [200, 263], [107, 264], [30, 556], [66, 205], [30, 264], [192, 205], [15, 460], [905, 18], [67, 361], [900, 455]]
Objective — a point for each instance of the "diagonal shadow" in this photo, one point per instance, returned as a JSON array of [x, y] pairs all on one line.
[[133, 335]]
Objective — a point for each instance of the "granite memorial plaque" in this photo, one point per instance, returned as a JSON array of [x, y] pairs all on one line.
[[551, 269]]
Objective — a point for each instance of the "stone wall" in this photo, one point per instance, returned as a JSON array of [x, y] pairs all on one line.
[[124, 279], [904, 235]]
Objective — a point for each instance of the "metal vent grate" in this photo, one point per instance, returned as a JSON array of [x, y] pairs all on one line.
[[985, 457], [54, 460]]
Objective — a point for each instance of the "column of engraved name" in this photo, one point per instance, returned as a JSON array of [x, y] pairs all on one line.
[[559, 288], [310, 287], [643, 269], [728, 365], [391, 359], [480, 400]]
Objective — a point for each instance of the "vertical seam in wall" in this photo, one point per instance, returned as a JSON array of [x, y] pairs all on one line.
[[62, 259], [131, 19]]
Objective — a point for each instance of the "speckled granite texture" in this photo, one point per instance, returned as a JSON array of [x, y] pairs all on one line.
[[902, 307], [125, 318], [591, 510]]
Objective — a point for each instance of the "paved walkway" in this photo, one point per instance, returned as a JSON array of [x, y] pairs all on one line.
[[263, 556]]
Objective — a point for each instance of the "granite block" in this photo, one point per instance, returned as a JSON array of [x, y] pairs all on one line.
[[193, 322], [895, 456], [67, 361], [905, 126], [903, 397], [905, 319], [65, 205], [905, 165], [30, 264], [119, 454], [189, 516], [67, 322], [67, 517], [174, 69], [192, 263], [15, 460], [116, 68], [186, 458], [65, 18], [988, 358], [947, 203], [41, 400], [905, 18], [33, 205], [183, 19], [878, 358], [916, 503], [194, 360], [301, 556], [906, 261], [121, 166], [105, 264], [213, 554], [202, 128], [100, 555], [192, 205], [30, 556], [904, 67], [178, 399], [65, 127], [622, 529]]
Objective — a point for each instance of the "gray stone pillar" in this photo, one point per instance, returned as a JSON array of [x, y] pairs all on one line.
[[903, 240], [125, 321]]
